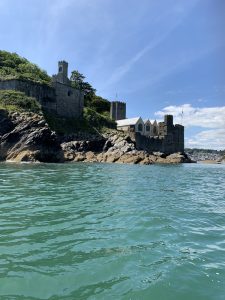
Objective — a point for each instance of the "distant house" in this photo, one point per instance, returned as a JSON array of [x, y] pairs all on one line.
[[132, 125], [148, 125]]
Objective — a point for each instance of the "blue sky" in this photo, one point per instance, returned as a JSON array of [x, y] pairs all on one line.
[[159, 56]]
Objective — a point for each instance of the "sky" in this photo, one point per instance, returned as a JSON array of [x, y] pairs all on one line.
[[160, 57]]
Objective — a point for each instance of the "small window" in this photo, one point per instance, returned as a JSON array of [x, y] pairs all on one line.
[[60, 69], [69, 93], [147, 128], [140, 127]]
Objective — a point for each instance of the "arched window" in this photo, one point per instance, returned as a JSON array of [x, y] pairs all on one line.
[[154, 130], [60, 69], [140, 127], [147, 128], [69, 93]]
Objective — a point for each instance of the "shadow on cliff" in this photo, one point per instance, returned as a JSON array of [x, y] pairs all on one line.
[[27, 137]]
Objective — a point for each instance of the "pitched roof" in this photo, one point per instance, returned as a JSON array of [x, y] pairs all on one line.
[[127, 122]]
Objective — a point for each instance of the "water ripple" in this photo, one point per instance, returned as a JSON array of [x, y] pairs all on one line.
[[95, 231]]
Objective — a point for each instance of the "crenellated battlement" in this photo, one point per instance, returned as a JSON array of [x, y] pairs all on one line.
[[63, 62], [120, 102]]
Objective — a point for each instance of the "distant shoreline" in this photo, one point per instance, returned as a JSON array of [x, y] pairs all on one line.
[[208, 161]]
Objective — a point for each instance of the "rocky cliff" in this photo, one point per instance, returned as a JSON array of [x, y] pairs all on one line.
[[26, 137]]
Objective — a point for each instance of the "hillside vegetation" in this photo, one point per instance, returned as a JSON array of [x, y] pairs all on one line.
[[12, 66], [91, 122]]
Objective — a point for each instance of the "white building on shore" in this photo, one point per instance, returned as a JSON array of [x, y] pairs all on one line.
[[132, 125], [144, 127]]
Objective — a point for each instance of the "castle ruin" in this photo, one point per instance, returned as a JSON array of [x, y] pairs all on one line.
[[59, 97]]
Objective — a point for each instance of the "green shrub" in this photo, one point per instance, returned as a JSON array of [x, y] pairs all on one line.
[[18, 101], [100, 105], [13, 66], [91, 122], [66, 125], [97, 120]]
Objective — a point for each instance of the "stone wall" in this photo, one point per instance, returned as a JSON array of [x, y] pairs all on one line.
[[171, 143], [42, 92], [69, 101], [149, 144], [59, 98]]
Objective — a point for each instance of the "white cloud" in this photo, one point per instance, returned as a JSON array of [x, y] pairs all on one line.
[[206, 117], [210, 118], [208, 139]]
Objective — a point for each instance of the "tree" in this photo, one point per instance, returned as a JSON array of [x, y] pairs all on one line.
[[100, 104], [91, 100], [77, 80]]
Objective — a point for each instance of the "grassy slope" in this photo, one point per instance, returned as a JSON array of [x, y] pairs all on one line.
[[17, 101], [13, 66]]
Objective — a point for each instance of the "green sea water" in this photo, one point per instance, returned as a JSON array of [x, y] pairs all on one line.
[[109, 231]]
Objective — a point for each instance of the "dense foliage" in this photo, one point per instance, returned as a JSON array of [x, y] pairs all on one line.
[[100, 104], [64, 126], [13, 66], [18, 101], [77, 80], [91, 122], [94, 119], [91, 100]]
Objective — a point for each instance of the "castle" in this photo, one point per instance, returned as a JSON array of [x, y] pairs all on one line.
[[150, 136], [62, 99], [58, 98]]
